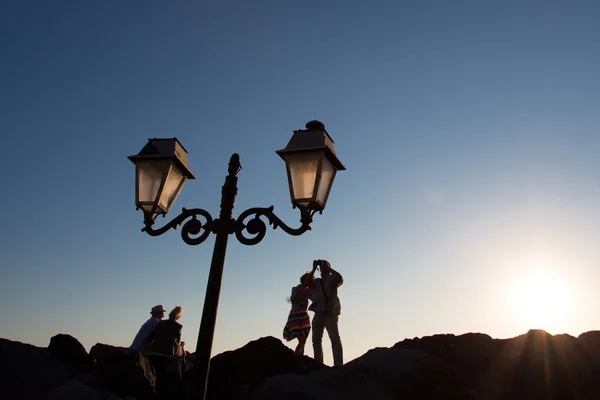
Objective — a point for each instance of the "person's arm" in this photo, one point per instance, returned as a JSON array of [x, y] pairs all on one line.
[[178, 336], [337, 276], [151, 332], [312, 274], [314, 268]]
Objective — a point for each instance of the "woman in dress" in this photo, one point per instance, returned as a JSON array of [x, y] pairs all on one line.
[[298, 322], [166, 336]]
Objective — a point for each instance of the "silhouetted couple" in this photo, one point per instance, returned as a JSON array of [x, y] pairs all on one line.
[[159, 336], [323, 293]]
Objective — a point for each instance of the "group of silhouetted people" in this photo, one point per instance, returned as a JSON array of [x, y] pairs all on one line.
[[161, 336], [164, 336], [323, 294]]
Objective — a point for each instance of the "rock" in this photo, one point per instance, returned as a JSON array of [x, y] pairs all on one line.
[[408, 374], [29, 372], [243, 370], [127, 371], [591, 341], [169, 375], [68, 349], [379, 374], [545, 366], [536, 365], [79, 391], [472, 366], [337, 383]]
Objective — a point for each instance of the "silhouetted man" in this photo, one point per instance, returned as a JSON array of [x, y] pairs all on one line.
[[157, 312], [327, 309]]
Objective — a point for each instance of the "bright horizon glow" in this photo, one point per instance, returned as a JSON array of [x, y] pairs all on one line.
[[542, 299]]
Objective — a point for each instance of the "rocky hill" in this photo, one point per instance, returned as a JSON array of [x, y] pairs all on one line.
[[535, 365]]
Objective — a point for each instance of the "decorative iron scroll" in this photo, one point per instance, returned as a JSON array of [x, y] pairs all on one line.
[[191, 227], [257, 227]]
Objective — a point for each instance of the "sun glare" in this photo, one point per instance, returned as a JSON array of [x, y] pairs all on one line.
[[541, 301]]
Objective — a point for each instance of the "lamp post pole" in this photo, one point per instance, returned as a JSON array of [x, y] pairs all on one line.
[[224, 226]]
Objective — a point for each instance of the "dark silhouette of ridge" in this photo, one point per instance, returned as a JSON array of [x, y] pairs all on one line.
[[472, 366]]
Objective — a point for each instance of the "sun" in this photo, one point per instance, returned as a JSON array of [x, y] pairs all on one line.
[[540, 300]]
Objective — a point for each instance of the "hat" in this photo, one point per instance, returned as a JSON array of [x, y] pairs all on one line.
[[158, 308]]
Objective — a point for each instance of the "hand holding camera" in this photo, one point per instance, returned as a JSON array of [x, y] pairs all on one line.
[[323, 265]]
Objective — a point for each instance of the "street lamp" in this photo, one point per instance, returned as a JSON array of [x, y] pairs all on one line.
[[162, 170]]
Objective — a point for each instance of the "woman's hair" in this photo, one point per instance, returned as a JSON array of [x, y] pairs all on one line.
[[304, 276], [175, 313]]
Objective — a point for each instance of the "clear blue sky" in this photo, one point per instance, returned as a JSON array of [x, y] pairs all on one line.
[[469, 129]]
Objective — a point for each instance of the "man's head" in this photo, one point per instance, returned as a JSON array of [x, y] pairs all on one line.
[[158, 311]]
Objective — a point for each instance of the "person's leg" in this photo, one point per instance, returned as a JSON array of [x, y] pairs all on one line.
[[301, 344], [331, 324], [317, 335]]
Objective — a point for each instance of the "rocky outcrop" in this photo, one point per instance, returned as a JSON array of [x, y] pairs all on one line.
[[472, 366], [29, 372], [242, 371], [169, 372], [535, 365], [127, 372], [68, 349], [382, 373], [590, 341]]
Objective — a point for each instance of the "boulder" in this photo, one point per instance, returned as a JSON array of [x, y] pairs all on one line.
[[337, 383], [241, 371], [169, 375], [591, 341], [127, 372], [543, 366], [79, 391], [68, 349], [29, 372], [472, 366], [535, 365], [381, 373], [409, 374]]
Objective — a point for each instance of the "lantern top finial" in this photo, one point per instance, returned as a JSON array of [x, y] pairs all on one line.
[[313, 138], [314, 125]]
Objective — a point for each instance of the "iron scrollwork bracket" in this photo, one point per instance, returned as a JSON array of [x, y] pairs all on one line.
[[194, 232], [190, 228], [257, 227]]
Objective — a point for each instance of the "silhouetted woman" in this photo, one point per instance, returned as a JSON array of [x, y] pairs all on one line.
[[298, 322], [166, 336]]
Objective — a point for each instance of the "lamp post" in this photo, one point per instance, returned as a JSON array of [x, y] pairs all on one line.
[[162, 170]]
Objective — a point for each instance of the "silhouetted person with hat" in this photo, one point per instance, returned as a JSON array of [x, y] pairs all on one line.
[[141, 339]]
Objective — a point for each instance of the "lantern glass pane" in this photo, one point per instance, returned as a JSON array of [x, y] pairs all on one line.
[[303, 174], [327, 175], [150, 176], [172, 188]]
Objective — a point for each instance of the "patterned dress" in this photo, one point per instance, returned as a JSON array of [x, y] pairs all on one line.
[[298, 323]]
